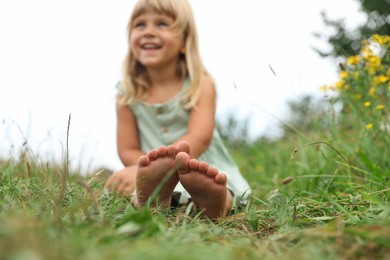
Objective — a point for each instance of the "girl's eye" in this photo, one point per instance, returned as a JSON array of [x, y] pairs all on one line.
[[163, 24], [139, 25]]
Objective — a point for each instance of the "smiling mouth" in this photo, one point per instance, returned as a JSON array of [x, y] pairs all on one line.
[[150, 46]]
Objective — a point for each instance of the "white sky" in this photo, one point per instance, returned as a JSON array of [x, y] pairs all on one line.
[[64, 57]]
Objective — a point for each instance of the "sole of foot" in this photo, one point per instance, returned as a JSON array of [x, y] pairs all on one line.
[[205, 184]]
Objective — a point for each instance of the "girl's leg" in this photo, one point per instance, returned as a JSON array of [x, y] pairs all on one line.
[[206, 185]]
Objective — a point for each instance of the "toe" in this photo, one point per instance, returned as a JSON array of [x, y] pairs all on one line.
[[181, 161], [143, 161], [162, 151], [212, 171], [171, 151], [220, 178], [153, 154], [193, 164], [203, 167], [183, 146]]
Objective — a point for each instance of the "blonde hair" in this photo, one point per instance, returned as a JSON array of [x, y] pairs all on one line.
[[135, 82]]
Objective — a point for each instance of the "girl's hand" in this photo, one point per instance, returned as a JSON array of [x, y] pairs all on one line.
[[122, 182]]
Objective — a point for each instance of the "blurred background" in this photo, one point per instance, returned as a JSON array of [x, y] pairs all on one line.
[[269, 60]]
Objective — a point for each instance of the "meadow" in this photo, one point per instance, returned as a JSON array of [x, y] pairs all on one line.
[[319, 192]]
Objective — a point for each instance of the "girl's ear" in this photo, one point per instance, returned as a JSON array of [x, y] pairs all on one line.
[[183, 49]]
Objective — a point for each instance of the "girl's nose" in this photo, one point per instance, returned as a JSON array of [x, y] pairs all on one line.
[[149, 31]]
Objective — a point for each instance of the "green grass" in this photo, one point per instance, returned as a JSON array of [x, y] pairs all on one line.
[[332, 208]]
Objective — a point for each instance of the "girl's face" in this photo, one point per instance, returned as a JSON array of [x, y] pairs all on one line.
[[152, 41]]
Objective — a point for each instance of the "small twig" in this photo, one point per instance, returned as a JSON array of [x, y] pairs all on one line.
[[292, 157], [379, 192], [26, 148], [273, 72], [287, 180], [247, 231], [64, 176], [67, 149]]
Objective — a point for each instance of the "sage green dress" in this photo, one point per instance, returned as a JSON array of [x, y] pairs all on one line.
[[162, 124]]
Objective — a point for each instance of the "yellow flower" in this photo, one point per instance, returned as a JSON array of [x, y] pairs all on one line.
[[380, 107], [386, 40], [339, 84], [367, 103], [373, 64], [358, 96], [343, 74], [377, 38], [380, 79], [381, 39], [353, 60], [375, 60], [369, 126]]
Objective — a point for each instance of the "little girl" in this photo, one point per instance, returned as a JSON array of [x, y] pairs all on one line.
[[166, 135]]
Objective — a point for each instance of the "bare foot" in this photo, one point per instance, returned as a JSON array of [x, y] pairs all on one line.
[[156, 173], [205, 184]]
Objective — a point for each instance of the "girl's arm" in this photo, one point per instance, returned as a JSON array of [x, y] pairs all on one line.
[[127, 139], [202, 119]]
